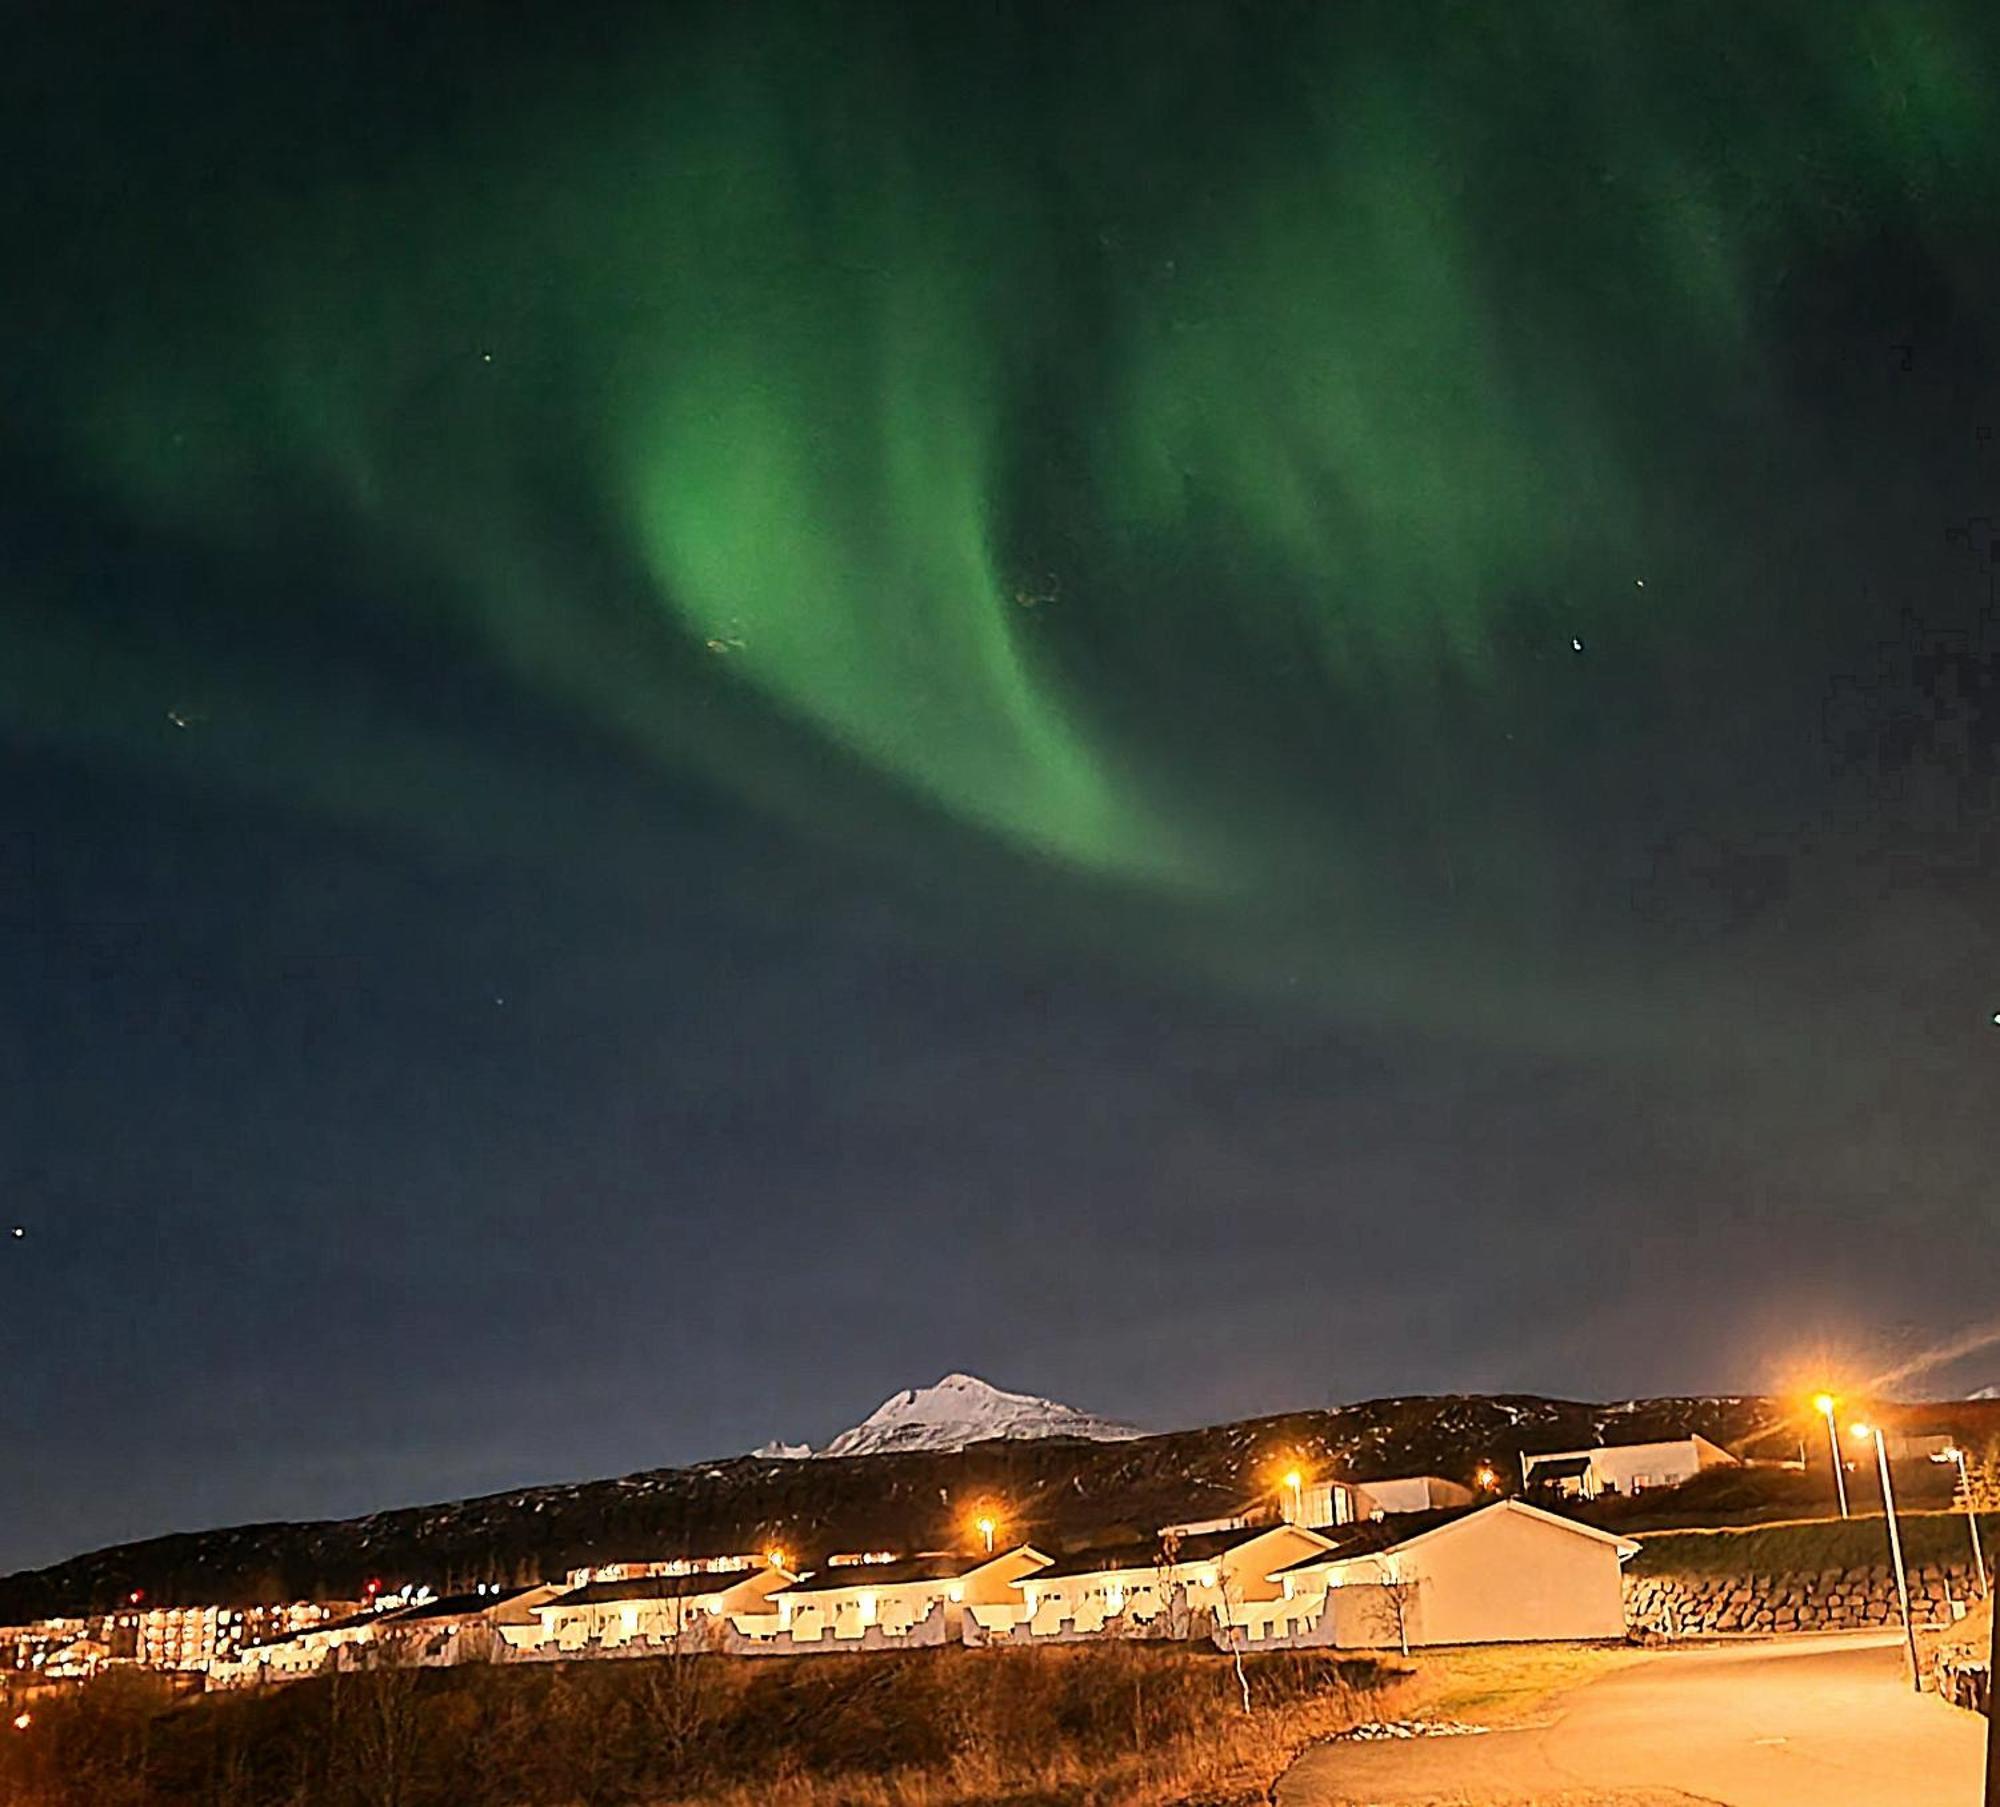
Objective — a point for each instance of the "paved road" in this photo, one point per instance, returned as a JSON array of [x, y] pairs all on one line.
[[1816, 1722]]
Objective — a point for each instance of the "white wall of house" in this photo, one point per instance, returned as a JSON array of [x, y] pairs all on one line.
[[1508, 1574], [1408, 1493], [986, 1591], [1087, 1603], [1229, 1585], [612, 1624], [1629, 1468]]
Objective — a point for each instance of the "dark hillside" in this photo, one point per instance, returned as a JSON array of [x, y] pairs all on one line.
[[1056, 1493]]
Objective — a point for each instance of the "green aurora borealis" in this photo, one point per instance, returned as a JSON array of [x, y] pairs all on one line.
[[710, 708], [1097, 428]]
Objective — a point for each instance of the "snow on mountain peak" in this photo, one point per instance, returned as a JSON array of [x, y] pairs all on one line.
[[964, 1409]]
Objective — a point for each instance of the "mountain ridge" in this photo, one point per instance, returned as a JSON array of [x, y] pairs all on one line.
[[960, 1409], [1051, 1490]]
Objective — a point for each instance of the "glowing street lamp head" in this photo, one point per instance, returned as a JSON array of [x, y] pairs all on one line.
[[1823, 1404], [986, 1525], [1294, 1480], [1861, 1432]]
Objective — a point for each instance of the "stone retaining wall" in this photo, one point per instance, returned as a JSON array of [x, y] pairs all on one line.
[[1693, 1606]]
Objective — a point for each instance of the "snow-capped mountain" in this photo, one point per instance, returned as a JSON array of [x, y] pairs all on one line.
[[963, 1409]]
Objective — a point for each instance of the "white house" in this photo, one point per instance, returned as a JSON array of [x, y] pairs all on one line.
[[1505, 1573], [850, 1601], [294, 1654], [1219, 1573], [432, 1628], [1624, 1468], [607, 1615], [1408, 1493]]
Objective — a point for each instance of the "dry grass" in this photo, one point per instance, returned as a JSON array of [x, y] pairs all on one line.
[[1117, 1725], [1498, 1685]]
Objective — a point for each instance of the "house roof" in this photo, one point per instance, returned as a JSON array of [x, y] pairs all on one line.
[[663, 1587], [1558, 1467], [1202, 1546], [456, 1606], [1378, 1538], [946, 1567], [306, 1631], [1370, 1537]]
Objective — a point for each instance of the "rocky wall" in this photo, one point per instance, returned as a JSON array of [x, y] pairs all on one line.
[[1694, 1606]]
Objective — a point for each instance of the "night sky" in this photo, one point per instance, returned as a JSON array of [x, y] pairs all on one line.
[[1206, 707]]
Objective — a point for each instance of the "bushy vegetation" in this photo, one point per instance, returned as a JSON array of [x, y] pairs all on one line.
[[1085, 1726]]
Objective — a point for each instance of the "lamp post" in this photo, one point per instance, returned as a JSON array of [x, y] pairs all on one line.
[[1295, 1484], [1952, 1453], [986, 1527], [1895, 1548], [1824, 1405]]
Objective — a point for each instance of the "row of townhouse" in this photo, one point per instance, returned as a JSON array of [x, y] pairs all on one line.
[[1503, 1572], [1409, 1559]]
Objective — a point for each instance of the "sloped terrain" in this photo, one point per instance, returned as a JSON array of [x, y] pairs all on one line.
[[1054, 1491]]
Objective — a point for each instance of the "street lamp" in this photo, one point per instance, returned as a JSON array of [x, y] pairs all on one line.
[[986, 1527], [1295, 1484], [1952, 1453], [1824, 1405], [1864, 1432]]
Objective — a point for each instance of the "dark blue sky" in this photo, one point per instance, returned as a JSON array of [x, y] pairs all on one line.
[[455, 1032]]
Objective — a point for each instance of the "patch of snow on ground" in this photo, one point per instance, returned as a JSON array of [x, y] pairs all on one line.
[[1377, 1730]]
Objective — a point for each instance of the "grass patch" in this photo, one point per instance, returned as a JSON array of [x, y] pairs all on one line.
[[1500, 1684], [1929, 1538]]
